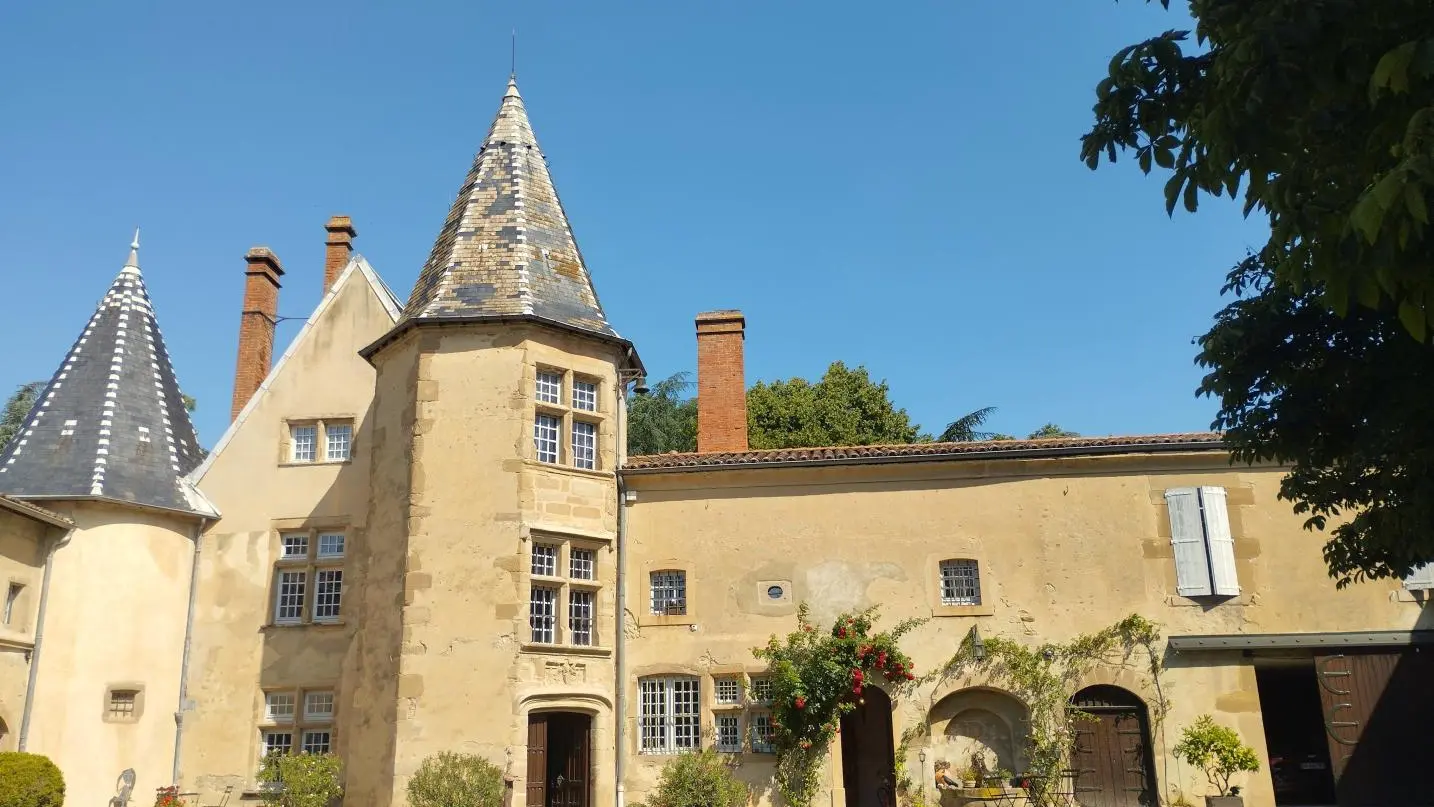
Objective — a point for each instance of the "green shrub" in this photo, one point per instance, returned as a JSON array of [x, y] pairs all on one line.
[[1217, 751], [30, 780], [302, 780], [698, 780], [447, 779]]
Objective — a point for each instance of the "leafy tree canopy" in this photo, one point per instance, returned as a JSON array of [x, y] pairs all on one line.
[[16, 408], [1324, 114], [844, 408], [664, 419], [1051, 430]]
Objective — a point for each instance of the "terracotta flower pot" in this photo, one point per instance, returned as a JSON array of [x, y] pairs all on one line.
[[1224, 801]]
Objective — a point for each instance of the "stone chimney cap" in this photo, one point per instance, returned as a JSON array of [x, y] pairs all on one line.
[[723, 315], [339, 224], [264, 255]]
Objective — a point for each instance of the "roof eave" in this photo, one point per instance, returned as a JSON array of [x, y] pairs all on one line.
[[1298, 641], [632, 360], [62, 497], [35, 512], [954, 456]]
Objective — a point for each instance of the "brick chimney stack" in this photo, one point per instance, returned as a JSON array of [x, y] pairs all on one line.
[[338, 247], [721, 382], [256, 324]]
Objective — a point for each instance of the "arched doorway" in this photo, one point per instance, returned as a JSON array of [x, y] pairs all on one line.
[[868, 752], [559, 759], [1112, 758]]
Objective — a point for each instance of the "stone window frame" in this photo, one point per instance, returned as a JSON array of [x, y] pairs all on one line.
[[563, 581], [300, 723], [311, 564], [15, 616], [670, 746], [746, 707], [108, 714], [321, 439], [643, 579], [939, 608], [566, 413]]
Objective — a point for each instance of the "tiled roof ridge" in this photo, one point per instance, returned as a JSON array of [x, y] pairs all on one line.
[[777, 456]]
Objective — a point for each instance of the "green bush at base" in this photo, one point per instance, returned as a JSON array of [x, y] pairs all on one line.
[[447, 779], [699, 780], [30, 780]]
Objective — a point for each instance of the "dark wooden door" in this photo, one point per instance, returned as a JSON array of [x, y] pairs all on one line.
[[1111, 756], [1376, 709], [538, 760], [570, 784], [868, 752]]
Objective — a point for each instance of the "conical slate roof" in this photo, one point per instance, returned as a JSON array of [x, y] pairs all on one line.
[[506, 249], [111, 423]]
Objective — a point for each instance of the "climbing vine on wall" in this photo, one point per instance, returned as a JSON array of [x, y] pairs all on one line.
[[817, 676], [1044, 677]]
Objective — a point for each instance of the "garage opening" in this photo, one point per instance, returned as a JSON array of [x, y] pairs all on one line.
[[1295, 734]]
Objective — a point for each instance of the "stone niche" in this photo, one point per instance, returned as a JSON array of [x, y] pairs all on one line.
[[988, 722]]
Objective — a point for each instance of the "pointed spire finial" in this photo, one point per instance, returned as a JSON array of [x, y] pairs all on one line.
[[513, 62], [134, 251]]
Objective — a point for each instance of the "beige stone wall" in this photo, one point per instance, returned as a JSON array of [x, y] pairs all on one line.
[[115, 619], [1066, 546], [459, 498], [238, 651], [23, 543]]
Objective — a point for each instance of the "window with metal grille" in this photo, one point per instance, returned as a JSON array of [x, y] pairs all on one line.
[[122, 703], [331, 544], [545, 560], [338, 437], [549, 388], [302, 440], [318, 707], [289, 604], [545, 437], [296, 546], [728, 690], [279, 707], [584, 395], [580, 617], [316, 742], [761, 690], [762, 733], [276, 742], [328, 592], [729, 733], [669, 592], [542, 613], [581, 564], [960, 582], [668, 718], [584, 445]]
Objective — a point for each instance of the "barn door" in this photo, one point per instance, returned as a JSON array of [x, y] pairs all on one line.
[[1111, 756], [537, 760], [1377, 708]]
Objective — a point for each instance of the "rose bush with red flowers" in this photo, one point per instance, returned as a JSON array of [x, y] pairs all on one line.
[[816, 678]]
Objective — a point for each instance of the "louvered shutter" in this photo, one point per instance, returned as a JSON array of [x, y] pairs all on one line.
[[1192, 567], [1421, 579], [1221, 543]]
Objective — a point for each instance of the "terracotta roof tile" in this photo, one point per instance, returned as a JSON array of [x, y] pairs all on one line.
[[857, 455], [16, 505]]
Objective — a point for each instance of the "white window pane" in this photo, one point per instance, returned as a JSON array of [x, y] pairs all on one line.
[[762, 734], [729, 690], [584, 445], [960, 582], [338, 437], [276, 742], [581, 564], [668, 717], [542, 613], [669, 592], [295, 546], [331, 544], [729, 733], [545, 437], [328, 592], [289, 602], [545, 560], [279, 707], [762, 690], [316, 742], [318, 706], [549, 387], [685, 713], [302, 440], [652, 715], [585, 395], [580, 617]]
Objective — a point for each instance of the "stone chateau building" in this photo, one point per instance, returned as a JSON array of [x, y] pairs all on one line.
[[421, 533]]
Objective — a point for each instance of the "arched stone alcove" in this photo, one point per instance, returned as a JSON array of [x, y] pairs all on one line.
[[988, 722]]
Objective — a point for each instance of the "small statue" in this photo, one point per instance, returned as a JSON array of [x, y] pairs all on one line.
[[944, 780]]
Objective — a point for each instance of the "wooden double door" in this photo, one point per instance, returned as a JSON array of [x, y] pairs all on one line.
[[1112, 761], [559, 759], [1377, 709]]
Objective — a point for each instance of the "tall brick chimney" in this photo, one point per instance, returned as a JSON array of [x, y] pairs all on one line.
[[721, 382], [338, 247], [256, 324]]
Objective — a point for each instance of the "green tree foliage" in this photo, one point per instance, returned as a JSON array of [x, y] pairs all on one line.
[[844, 408], [1217, 751], [664, 419], [300, 780], [1324, 113], [16, 408], [447, 779], [966, 429], [30, 780], [1051, 430], [700, 779]]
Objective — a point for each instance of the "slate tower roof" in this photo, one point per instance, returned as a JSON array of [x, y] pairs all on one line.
[[111, 423], [506, 249]]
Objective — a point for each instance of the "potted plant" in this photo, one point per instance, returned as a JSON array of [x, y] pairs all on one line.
[[1217, 751]]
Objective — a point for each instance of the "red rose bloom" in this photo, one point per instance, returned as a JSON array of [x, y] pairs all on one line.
[[801, 702]]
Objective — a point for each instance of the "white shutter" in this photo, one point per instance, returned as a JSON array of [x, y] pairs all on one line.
[[1192, 566], [1222, 545], [1421, 579]]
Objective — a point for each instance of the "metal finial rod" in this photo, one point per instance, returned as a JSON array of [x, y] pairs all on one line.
[[135, 243], [513, 61]]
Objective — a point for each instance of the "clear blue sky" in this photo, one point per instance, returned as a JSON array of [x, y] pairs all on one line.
[[890, 185]]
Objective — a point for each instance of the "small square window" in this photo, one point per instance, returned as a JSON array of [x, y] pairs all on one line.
[[581, 564], [960, 582], [729, 734], [276, 742], [316, 742], [545, 437], [302, 441], [545, 560], [296, 546], [279, 707], [318, 706], [328, 594], [122, 704], [729, 690], [762, 690], [585, 395], [669, 592], [542, 614], [549, 387], [584, 445], [331, 544], [338, 439]]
